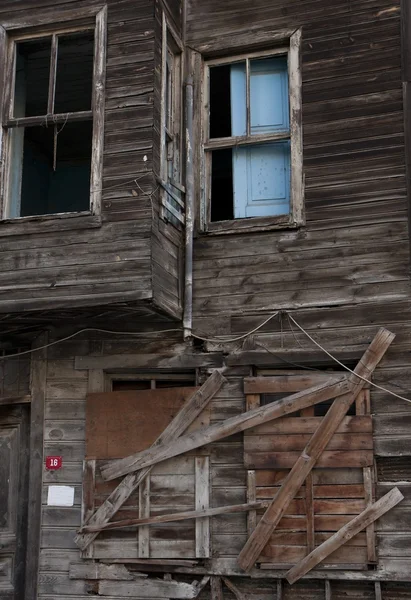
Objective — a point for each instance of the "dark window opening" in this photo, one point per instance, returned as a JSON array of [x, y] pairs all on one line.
[[121, 385], [32, 78], [56, 169], [220, 102], [50, 143], [74, 73], [222, 207]]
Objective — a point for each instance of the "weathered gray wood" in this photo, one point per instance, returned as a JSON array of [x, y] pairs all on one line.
[[12, 400], [150, 361], [202, 503], [38, 394], [99, 571], [194, 514], [369, 515], [308, 458], [216, 588], [148, 588], [182, 421], [242, 422]]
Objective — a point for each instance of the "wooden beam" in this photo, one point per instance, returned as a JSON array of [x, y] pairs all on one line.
[[181, 516], [153, 361], [38, 383], [13, 400], [234, 589], [360, 522], [90, 570], [207, 435], [216, 588], [319, 441], [148, 588], [188, 413]]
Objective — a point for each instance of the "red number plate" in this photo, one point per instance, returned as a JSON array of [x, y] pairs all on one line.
[[54, 462]]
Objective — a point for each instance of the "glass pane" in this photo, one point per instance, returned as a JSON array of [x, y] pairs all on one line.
[[56, 173], [269, 95], [32, 78], [74, 72], [261, 176], [220, 102]]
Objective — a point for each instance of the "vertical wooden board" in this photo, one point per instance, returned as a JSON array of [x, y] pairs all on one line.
[[38, 393], [369, 499], [251, 401], [202, 501], [251, 497], [87, 504], [143, 533]]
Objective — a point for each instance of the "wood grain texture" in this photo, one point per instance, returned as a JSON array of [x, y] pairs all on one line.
[[229, 427], [369, 515], [314, 449], [188, 413]]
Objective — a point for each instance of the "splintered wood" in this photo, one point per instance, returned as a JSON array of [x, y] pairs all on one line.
[[312, 451]]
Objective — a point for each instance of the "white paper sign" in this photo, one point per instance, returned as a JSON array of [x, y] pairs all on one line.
[[60, 495]]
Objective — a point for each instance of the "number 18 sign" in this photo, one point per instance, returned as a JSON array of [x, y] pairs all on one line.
[[54, 462]]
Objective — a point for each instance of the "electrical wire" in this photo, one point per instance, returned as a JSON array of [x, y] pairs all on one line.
[[379, 387], [69, 337], [238, 338]]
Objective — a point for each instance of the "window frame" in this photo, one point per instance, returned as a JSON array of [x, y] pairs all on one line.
[[291, 47], [171, 139], [43, 25]]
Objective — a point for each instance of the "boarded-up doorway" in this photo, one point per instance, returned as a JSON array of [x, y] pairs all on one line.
[[14, 463]]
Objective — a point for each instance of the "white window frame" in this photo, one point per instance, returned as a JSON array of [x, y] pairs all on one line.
[[295, 218], [44, 24]]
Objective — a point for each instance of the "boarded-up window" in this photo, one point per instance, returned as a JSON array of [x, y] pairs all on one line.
[[121, 423], [337, 489]]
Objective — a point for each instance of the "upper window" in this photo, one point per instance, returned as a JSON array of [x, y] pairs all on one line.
[[252, 140], [48, 121], [172, 191]]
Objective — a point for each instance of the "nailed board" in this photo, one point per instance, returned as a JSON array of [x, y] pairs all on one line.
[[335, 492], [121, 423]]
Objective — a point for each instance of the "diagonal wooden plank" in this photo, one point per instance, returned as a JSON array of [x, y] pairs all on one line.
[[319, 441], [213, 433], [360, 522], [179, 516], [188, 413]]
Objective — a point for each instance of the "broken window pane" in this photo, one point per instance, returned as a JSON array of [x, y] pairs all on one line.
[[32, 77], [74, 72], [56, 173]]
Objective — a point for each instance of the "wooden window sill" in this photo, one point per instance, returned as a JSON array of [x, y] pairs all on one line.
[[45, 223], [250, 225]]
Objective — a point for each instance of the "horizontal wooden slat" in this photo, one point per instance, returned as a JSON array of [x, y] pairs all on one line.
[[342, 476], [320, 491], [291, 538], [297, 442], [304, 425], [324, 507], [285, 383], [329, 459]]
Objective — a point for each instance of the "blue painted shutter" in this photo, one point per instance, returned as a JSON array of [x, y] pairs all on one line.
[[261, 173]]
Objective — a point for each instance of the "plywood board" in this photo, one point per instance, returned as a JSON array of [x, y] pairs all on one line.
[[121, 423]]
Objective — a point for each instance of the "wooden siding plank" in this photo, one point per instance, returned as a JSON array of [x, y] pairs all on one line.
[[202, 502]]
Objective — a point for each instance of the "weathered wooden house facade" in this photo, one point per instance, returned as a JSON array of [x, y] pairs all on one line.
[[204, 224]]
